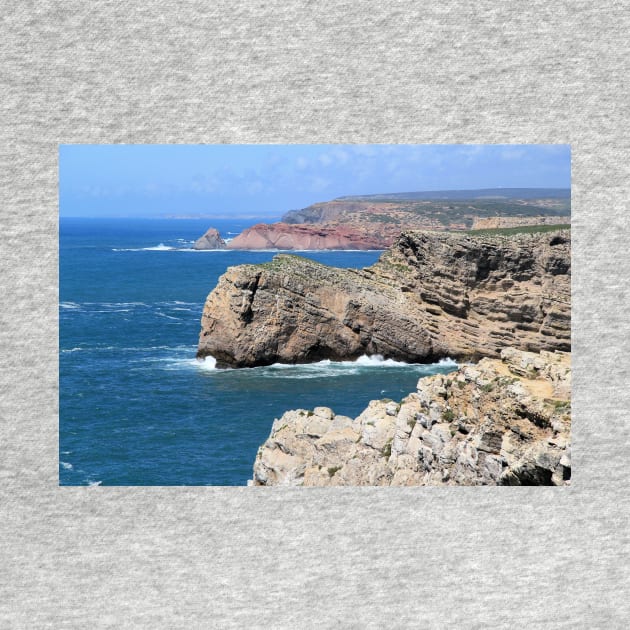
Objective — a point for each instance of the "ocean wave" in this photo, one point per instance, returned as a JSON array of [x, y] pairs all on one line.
[[447, 362], [325, 368], [117, 304], [165, 248], [156, 248], [102, 305], [167, 316], [66, 465]]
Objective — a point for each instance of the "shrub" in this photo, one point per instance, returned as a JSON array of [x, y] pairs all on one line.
[[386, 451]]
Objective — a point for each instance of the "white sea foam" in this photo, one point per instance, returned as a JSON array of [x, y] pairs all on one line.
[[64, 350], [69, 305], [157, 248], [320, 369], [447, 362], [166, 248], [94, 483], [66, 466], [118, 304], [208, 364]]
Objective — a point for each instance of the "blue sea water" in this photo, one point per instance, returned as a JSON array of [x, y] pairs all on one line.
[[136, 407]]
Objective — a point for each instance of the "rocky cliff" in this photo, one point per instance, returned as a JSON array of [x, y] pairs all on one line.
[[374, 222], [431, 295], [500, 422], [449, 210], [303, 237], [210, 240]]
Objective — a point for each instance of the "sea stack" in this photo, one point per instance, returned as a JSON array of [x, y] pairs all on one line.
[[210, 240]]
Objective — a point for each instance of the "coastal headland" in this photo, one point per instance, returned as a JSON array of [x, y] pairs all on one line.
[[431, 295], [496, 298], [375, 221]]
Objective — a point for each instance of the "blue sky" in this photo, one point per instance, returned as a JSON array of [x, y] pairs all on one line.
[[268, 180]]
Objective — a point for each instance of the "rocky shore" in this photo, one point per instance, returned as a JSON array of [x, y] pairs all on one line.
[[431, 295], [500, 422]]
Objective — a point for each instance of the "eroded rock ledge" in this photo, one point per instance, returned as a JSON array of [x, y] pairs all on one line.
[[431, 295], [500, 422]]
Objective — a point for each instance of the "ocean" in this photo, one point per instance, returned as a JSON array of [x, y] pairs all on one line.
[[135, 406]]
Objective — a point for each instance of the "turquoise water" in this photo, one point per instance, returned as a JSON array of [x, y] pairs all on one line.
[[136, 407]]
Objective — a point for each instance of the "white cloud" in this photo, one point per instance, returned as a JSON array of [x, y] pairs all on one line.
[[317, 184], [325, 159], [512, 153], [341, 156]]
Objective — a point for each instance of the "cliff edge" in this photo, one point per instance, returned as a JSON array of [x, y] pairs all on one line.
[[431, 295], [500, 422]]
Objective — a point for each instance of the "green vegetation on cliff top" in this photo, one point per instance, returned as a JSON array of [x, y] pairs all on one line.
[[522, 229]]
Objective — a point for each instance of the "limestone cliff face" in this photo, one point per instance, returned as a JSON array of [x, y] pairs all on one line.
[[431, 295], [210, 240], [500, 422]]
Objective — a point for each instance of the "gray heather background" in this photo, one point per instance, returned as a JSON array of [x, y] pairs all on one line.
[[276, 72]]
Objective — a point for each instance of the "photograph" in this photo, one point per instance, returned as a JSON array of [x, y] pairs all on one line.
[[315, 315]]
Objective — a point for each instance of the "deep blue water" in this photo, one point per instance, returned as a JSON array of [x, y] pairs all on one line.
[[136, 407]]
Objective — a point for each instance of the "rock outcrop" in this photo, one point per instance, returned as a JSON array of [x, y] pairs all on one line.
[[430, 296], [304, 237], [210, 240], [500, 422]]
